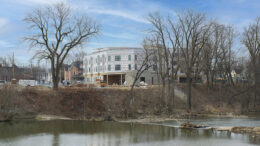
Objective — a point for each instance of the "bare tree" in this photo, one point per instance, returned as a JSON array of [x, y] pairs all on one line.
[[251, 40], [77, 56], [211, 53], [217, 54], [56, 32], [146, 57], [164, 40], [193, 33], [162, 54], [227, 54]]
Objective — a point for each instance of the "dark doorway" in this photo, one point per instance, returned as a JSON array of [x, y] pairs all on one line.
[[182, 80], [142, 79]]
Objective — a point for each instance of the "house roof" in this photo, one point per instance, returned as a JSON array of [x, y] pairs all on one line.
[[238, 70]]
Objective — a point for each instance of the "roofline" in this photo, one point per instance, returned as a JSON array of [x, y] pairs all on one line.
[[98, 50]]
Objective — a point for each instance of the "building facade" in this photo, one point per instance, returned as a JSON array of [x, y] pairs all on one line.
[[74, 72], [114, 65]]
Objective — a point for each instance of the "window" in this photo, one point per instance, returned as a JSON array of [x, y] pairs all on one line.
[[129, 57], [135, 66], [135, 57], [129, 66], [117, 58], [109, 67], [103, 59], [118, 67], [154, 67], [109, 58]]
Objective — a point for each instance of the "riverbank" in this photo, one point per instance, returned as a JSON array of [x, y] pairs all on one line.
[[99, 104]]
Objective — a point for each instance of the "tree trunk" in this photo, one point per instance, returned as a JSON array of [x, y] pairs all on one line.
[[170, 98], [164, 99], [207, 75], [55, 84], [56, 77], [188, 92]]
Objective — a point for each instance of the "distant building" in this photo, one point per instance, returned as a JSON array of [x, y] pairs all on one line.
[[239, 75], [74, 72], [115, 65], [7, 73]]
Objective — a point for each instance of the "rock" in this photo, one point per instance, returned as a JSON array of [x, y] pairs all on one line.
[[256, 129], [6, 117], [109, 118], [191, 126], [224, 128], [242, 130], [139, 111], [51, 117]]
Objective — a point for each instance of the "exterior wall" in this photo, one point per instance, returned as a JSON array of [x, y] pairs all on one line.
[[66, 75], [151, 78], [96, 64], [72, 71]]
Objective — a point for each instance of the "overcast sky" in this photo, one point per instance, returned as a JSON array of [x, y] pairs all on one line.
[[123, 21]]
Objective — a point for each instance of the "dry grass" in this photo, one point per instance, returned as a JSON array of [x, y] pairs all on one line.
[[86, 102]]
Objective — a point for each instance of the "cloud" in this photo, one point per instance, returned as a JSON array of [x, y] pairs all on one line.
[[135, 10], [121, 35], [5, 44], [4, 23], [30, 2], [119, 13]]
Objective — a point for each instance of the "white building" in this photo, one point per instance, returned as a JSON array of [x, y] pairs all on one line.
[[113, 65]]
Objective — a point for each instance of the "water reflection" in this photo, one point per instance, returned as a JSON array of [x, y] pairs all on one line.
[[80, 133]]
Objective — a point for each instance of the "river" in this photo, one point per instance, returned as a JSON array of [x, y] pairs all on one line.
[[82, 133]]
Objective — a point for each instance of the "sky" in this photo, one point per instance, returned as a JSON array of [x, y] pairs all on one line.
[[124, 22]]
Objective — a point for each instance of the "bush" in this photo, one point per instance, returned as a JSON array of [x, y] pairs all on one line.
[[8, 102]]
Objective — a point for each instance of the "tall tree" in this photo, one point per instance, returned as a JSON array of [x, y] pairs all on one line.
[[145, 59], [251, 40], [192, 31], [57, 31], [164, 40]]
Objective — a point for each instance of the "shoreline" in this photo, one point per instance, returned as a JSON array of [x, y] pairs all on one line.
[[140, 119], [251, 131]]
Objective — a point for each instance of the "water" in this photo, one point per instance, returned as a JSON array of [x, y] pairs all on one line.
[[82, 133], [218, 122]]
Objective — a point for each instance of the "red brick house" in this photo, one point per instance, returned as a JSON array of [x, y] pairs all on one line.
[[74, 72]]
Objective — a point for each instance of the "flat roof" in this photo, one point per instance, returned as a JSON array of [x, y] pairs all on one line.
[[98, 50]]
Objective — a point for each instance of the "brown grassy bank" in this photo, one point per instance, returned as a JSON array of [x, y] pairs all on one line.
[[89, 103]]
